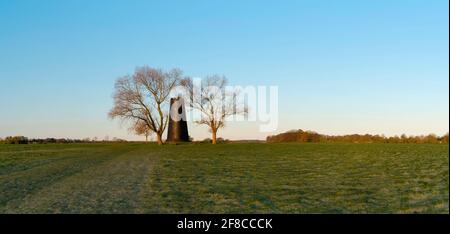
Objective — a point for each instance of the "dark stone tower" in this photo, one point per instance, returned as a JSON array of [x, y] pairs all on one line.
[[178, 130]]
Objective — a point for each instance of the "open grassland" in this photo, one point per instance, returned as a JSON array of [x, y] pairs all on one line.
[[224, 178]]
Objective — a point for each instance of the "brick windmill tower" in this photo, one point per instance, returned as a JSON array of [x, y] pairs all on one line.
[[178, 129]]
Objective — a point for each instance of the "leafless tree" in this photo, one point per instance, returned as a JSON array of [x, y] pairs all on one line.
[[144, 96], [213, 101], [141, 128]]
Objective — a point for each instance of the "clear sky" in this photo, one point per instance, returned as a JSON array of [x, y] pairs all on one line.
[[375, 66]]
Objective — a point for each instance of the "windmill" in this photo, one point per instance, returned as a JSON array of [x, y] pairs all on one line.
[[178, 129]]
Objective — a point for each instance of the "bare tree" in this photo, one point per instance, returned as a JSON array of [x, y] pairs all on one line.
[[213, 101], [143, 97], [141, 128]]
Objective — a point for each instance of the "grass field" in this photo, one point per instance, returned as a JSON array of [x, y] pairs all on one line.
[[225, 178]]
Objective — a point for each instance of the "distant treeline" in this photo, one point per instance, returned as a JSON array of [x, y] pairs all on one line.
[[26, 140], [310, 136]]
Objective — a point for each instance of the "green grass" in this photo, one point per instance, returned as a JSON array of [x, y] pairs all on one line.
[[225, 178]]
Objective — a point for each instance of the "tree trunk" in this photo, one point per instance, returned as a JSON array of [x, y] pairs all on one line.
[[159, 139], [214, 137], [146, 137]]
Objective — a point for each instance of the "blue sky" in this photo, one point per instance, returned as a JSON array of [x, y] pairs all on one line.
[[377, 67]]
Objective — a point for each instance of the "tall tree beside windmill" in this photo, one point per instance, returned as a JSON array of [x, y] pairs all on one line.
[[143, 98], [214, 102]]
